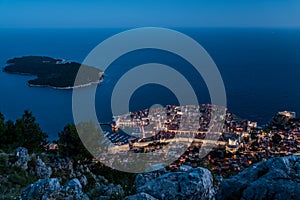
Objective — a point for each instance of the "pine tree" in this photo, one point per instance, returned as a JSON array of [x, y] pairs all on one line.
[[29, 133], [70, 144]]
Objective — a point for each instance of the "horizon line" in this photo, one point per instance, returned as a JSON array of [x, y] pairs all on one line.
[[170, 27]]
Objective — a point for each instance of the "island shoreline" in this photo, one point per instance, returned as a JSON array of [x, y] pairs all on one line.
[[69, 87], [53, 87]]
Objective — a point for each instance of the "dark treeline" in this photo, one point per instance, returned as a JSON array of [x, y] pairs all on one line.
[[26, 132]]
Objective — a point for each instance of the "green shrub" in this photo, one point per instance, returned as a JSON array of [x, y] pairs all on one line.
[[3, 163], [18, 179], [32, 163], [126, 180], [91, 182]]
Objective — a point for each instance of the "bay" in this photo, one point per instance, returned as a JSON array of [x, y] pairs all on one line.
[[260, 69]]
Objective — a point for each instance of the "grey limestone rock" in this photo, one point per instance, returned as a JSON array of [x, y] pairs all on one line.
[[42, 189], [277, 178], [23, 158], [140, 196], [42, 170], [193, 184]]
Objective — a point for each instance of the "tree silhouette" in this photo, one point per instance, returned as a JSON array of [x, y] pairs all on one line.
[[29, 134], [24, 133], [71, 146]]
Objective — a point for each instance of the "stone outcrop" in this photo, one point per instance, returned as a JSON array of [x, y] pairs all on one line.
[[73, 190], [23, 158], [83, 180], [193, 184], [51, 189], [108, 191], [42, 189], [41, 170], [63, 165], [142, 179], [277, 178], [140, 196]]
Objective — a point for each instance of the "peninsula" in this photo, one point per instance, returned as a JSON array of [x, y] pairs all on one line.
[[51, 72]]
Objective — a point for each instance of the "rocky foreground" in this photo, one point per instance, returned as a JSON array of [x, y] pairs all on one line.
[[277, 178]]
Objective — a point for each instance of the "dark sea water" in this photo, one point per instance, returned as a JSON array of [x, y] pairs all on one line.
[[259, 67]]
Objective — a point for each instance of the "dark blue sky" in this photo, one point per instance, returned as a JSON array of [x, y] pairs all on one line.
[[137, 13]]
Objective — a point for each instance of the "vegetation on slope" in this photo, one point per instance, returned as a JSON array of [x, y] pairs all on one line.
[[25, 132]]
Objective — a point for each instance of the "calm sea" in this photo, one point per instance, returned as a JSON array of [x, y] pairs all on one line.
[[260, 70]]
